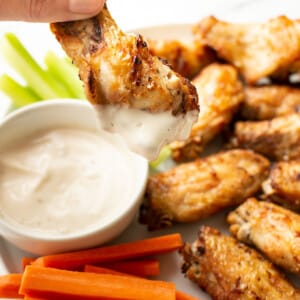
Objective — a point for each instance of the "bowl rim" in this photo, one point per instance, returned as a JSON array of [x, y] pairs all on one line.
[[95, 229]]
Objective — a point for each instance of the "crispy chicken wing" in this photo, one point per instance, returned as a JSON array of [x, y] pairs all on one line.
[[257, 50], [121, 77], [195, 190], [278, 139], [273, 230], [229, 270], [268, 102], [188, 59], [283, 184], [220, 92]]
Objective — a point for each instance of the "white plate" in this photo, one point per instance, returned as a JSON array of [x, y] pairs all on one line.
[[170, 263]]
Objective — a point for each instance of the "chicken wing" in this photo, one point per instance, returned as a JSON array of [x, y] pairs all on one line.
[[257, 50], [272, 229], [278, 139], [132, 89], [229, 270], [195, 190], [188, 59], [220, 92], [283, 184], [268, 102]]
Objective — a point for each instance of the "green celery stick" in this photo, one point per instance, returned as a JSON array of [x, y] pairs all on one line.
[[42, 83], [66, 73], [20, 95], [163, 155]]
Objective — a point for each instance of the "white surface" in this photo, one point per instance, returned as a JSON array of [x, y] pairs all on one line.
[[136, 14]]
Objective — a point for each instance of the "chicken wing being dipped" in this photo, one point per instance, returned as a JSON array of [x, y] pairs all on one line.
[[229, 270], [192, 191], [135, 93], [257, 50], [268, 102], [272, 229], [277, 139], [220, 93], [186, 58], [283, 184]]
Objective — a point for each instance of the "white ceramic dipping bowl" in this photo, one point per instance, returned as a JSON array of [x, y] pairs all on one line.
[[67, 113]]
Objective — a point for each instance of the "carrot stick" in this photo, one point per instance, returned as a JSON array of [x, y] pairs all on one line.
[[101, 270], [93, 269], [80, 285], [27, 261], [77, 259], [9, 286], [183, 296], [142, 268]]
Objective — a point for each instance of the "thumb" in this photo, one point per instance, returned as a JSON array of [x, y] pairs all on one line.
[[48, 10]]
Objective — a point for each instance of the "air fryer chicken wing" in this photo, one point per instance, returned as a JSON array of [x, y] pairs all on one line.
[[186, 58], [195, 190], [121, 76], [278, 139], [257, 50], [272, 229], [268, 102], [229, 270], [283, 184], [219, 92]]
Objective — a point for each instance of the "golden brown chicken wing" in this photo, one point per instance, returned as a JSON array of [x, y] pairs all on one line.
[[229, 270], [268, 102], [257, 50], [188, 59], [272, 229], [278, 139], [283, 184], [219, 92], [195, 190], [128, 83]]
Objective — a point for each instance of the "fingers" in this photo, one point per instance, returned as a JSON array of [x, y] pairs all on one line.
[[48, 10]]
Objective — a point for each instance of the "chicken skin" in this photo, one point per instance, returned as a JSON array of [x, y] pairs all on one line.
[[268, 102], [229, 270], [186, 58], [192, 191], [283, 184], [272, 229], [277, 139], [257, 50], [220, 93], [119, 72]]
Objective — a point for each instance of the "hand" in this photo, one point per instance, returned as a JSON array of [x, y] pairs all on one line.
[[48, 10]]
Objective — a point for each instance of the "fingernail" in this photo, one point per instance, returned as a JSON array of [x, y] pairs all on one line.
[[85, 6]]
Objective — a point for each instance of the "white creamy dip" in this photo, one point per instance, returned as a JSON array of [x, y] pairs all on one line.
[[146, 133], [63, 181]]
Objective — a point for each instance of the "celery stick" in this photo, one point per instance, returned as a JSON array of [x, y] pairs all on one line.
[[66, 73], [164, 154], [19, 94], [43, 84]]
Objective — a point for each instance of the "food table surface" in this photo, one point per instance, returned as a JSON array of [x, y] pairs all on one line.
[[135, 15]]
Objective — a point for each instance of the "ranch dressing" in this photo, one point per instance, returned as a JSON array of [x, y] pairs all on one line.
[[63, 181], [145, 133]]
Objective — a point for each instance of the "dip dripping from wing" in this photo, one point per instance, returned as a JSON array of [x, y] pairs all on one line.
[[135, 94]]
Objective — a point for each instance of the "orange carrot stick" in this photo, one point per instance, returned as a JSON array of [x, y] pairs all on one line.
[[77, 259], [9, 286], [142, 268], [102, 270], [27, 261], [80, 285], [93, 269], [183, 296]]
